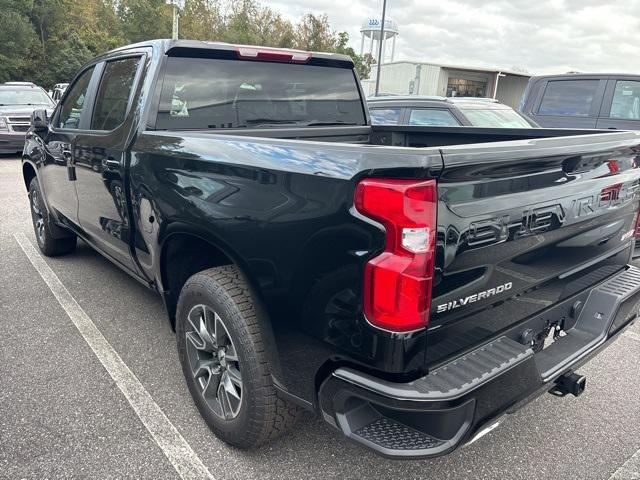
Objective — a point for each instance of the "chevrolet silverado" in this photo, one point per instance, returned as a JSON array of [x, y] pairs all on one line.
[[409, 284]]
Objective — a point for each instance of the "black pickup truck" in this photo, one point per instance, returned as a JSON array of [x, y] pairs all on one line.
[[409, 284]]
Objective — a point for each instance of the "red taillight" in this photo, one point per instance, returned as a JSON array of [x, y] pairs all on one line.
[[397, 284], [613, 167], [273, 55], [636, 232]]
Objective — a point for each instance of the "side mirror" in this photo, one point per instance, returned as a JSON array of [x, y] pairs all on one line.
[[39, 120]]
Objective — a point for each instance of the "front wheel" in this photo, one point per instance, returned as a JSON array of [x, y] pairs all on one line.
[[49, 244], [222, 355]]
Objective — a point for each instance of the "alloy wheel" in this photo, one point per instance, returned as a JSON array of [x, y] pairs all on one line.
[[214, 362], [38, 218]]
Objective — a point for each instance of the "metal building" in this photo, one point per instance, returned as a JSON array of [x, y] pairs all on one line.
[[421, 78]]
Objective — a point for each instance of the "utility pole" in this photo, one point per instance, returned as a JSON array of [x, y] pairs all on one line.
[[380, 42], [176, 5], [174, 31]]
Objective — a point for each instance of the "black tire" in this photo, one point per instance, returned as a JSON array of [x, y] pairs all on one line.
[[262, 413], [49, 244]]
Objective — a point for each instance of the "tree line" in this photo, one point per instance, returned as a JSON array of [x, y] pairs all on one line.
[[47, 41]]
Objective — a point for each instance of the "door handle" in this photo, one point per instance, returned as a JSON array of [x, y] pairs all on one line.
[[112, 164], [612, 128]]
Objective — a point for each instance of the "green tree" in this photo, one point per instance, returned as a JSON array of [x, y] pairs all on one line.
[[46, 41], [314, 33], [362, 63], [144, 19], [201, 20], [17, 38]]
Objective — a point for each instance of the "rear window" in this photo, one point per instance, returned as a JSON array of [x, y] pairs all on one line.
[[495, 118], [385, 116], [433, 117], [199, 93], [569, 98]]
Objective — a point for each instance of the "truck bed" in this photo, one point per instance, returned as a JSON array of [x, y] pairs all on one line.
[[407, 136]]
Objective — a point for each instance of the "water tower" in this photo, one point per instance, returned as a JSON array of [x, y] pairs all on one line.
[[371, 29]]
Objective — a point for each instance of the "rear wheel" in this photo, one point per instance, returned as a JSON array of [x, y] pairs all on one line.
[[49, 245], [222, 355]]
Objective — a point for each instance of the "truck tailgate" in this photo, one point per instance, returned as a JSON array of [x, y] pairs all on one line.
[[524, 225]]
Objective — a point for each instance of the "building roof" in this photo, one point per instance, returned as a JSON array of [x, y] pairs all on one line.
[[459, 67]]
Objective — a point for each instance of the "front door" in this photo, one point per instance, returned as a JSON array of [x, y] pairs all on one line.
[[56, 173], [100, 160]]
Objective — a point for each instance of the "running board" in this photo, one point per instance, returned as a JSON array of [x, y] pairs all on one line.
[[453, 379]]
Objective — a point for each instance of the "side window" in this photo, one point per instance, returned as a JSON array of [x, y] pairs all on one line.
[[568, 98], [113, 94], [74, 105], [385, 116], [433, 117], [626, 100]]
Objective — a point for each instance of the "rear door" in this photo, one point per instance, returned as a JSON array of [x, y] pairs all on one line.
[[523, 225], [621, 105], [100, 159], [569, 102]]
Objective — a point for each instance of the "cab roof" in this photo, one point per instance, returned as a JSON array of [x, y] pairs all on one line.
[[467, 102], [207, 49]]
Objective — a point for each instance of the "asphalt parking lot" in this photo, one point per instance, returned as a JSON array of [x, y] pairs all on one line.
[[62, 415]]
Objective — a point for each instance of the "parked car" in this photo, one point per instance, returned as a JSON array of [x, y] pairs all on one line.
[[58, 91], [444, 112], [17, 101], [409, 286], [610, 101]]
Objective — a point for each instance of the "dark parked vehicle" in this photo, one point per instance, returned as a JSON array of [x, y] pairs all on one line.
[[444, 112], [406, 284], [610, 101], [17, 101]]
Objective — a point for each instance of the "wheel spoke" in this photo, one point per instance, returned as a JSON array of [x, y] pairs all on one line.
[[34, 203], [230, 353], [220, 331], [224, 401], [200, 337], [211, 388], [234, 375], [228, 397], [231, 393], [204, 368]]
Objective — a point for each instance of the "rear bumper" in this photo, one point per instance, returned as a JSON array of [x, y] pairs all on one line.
[[436, 414], [11, 142]]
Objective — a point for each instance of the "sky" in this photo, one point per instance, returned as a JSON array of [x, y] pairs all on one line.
[[540, 37]]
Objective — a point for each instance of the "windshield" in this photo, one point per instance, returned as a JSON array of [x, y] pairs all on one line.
[[200, 93], [24, 97], [495, 118]]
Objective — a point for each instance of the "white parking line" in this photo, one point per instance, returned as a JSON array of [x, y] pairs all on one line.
[[633, 335], [174, 446], [630, 470]]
